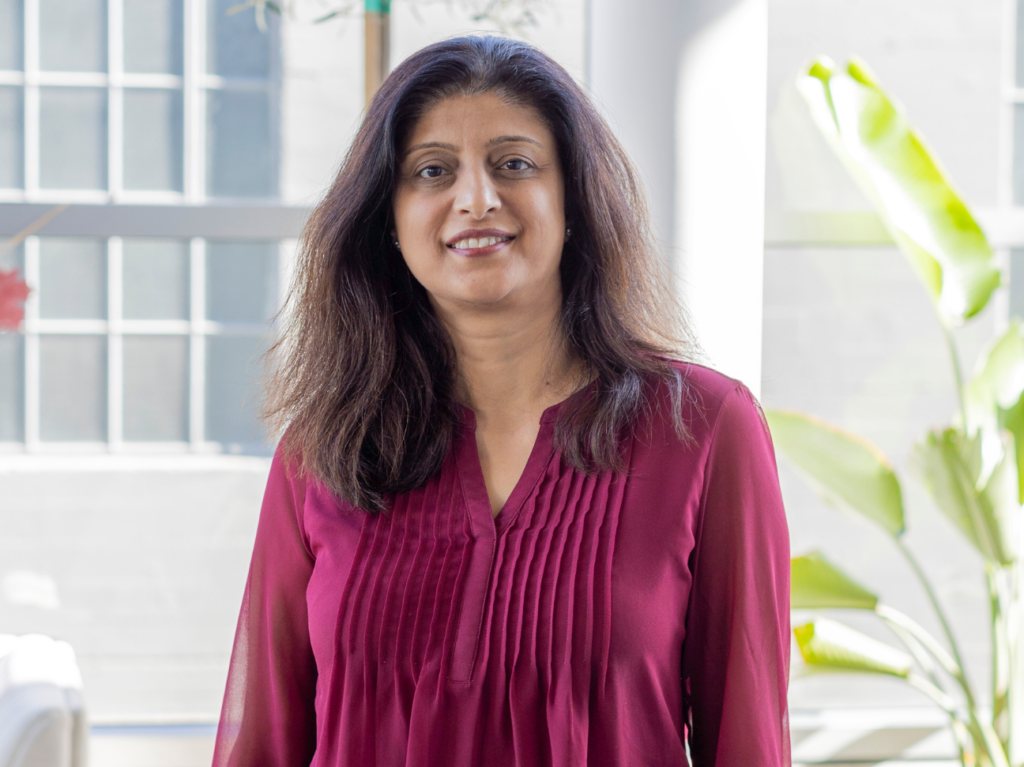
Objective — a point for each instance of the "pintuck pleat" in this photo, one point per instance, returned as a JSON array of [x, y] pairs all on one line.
[[449, 608]]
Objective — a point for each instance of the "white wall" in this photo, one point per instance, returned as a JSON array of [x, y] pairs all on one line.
[[683, 85]]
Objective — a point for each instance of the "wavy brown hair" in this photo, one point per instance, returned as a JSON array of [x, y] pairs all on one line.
[[365, 374]]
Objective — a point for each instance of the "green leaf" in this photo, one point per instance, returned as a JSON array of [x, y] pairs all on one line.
[[831, 645], [993, 400], [1013, 421], [949, 464], [846, 470], [998, 381], [911, 191], [817, 583]]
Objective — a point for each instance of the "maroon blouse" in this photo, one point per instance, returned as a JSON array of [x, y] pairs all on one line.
[[594, 621]]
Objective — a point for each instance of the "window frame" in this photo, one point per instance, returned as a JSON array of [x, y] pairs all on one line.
[[114, 328], [195, 83], [114, 213]]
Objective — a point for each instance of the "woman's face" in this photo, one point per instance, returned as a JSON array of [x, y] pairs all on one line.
[[479, 205]]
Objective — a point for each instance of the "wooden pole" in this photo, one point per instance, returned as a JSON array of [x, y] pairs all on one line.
[[378, 36]]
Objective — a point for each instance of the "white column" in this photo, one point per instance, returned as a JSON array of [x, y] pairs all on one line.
[[683, 83]]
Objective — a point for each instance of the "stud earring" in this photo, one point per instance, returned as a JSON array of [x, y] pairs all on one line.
[[397, 245], [568, 233]]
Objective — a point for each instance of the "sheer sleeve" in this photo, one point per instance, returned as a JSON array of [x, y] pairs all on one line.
[[736, 652], [268, 717]]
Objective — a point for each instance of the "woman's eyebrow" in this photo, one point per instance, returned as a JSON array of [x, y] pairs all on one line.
[[431, 145], [452, 148], [511, 139]]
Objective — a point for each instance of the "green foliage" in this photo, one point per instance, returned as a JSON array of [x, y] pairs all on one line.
[[910, 190], [846, 469], [950, 465], [817, 583], [994, 398], [829, 644], [973, 470]]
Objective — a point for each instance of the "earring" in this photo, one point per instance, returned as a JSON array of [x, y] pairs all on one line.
[[568, 233], [397, 245]]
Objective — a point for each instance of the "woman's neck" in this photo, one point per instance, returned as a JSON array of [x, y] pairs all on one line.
[[512, 364]]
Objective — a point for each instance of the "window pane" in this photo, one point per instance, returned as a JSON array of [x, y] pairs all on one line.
[[1020, 43], [155, 388], [235, 45], [13, 259], [153, 36], [1017, 282], [73, 388], [12, 372], [73, 138], [238, 150], [72, 278], [11, 30], [11, 162], [1018, 154], [152, 139], [73, 35], [241, 281], [12, 395], [233, 393], [155, 279]]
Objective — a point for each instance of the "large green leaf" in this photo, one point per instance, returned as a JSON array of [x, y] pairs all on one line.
[[817, 583], [911, 191], [993, 400], [949, 463], [830, 645], [847, 470]]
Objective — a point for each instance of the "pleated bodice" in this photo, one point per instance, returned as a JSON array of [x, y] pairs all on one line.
[[590, 622]]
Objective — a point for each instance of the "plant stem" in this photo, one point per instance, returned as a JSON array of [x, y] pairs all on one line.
[[918, 641], [923, 579], [1000, 652], [957, 374]]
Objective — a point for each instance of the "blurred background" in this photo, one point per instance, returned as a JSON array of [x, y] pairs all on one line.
[[158, 159]]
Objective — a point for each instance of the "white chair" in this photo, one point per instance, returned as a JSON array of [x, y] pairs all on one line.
[[42, 718]]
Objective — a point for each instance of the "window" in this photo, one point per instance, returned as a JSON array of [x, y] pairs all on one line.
[[144, 332], [136, 100], [139, 343]]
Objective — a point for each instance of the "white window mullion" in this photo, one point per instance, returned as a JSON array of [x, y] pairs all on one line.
[[115, 97], [197, 346], [32, 345], [31, 103], [115, 346]]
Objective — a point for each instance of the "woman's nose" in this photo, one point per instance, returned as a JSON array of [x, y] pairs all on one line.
[[476, 194]]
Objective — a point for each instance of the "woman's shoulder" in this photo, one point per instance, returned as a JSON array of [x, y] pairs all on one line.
[[707, 401]]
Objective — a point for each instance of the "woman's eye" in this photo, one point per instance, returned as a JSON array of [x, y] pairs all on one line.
[[515, 165], [432, 172]]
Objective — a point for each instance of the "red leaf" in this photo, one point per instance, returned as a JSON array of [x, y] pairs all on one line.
[[13, 292]]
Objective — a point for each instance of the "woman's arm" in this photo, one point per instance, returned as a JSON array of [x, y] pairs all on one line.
[[736, 653], [268, 718]]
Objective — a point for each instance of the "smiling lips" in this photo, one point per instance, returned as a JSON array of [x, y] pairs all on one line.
[[479, 242]]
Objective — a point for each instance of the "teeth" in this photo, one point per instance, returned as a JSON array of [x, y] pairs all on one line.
[[482, 242]]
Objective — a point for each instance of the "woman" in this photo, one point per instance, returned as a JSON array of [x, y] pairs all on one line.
[[503, 528]]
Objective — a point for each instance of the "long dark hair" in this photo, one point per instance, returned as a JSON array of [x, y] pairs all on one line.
[[364, 374]]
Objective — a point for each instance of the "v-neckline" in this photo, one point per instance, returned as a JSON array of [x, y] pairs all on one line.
[[471, 475]]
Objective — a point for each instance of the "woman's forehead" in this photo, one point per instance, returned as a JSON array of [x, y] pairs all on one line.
[[466, 121]]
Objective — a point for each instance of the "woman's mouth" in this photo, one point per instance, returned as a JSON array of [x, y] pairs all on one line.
[[480, 246]]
